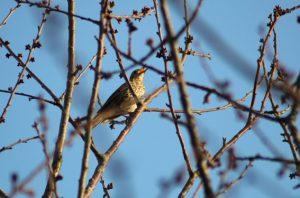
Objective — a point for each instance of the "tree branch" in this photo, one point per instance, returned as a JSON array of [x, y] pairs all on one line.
[[57, 158]]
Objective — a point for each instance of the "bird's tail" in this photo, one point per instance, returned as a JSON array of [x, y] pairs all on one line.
[[82, 122], [98, 119]]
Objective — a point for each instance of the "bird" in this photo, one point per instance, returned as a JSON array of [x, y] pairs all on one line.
[[121, 101]]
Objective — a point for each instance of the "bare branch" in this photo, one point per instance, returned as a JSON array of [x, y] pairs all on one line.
[[191, 124], [11, 12], [9, 147], [170, 105], [35, 44], [57, 158], [93, 99], [234, 182], [258, 157], [3, 194]]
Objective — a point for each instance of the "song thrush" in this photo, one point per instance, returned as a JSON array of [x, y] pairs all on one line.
[[122, 101]]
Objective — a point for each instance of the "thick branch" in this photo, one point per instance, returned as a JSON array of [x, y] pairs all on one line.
[[57, 158], [191, 124]]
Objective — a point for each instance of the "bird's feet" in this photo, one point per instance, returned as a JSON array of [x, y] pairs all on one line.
[[128, 118], [114, 122]]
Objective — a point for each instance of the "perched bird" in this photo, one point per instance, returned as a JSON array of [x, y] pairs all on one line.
[[122, 101]]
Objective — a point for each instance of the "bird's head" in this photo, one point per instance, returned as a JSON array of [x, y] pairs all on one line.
[[138, 74]]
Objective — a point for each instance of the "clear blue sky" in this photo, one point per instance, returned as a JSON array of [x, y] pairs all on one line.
[[151, 152]]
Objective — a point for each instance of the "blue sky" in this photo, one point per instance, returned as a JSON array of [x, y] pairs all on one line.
[[151, 152]]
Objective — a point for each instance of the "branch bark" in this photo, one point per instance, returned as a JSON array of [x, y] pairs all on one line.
[[184, 98], [57, 158], [88, 135]]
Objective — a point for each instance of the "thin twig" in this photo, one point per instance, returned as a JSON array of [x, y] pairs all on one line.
[[29, 178], [105, 190], [252, 120], [26, 64], [71, 120], [230, 104], [260, 60], [42, 138], [193, 53], [30, 97], [269, 82], [198, 188], [234, 182], [120, 63], [153, 50], [257, 113], [136, 16], [20, 141], [258, 157], [80, 74], [188, 36], [11, 12], [31, 73], [56, 9], [93, 99], [175, 121]]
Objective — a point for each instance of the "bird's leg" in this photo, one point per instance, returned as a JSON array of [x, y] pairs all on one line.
[[112, 125], [128, 118], [113, 122]]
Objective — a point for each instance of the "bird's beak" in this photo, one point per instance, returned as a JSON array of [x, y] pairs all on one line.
[[142, 70]]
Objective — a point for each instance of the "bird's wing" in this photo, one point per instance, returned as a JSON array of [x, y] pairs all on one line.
[[116, 97]]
